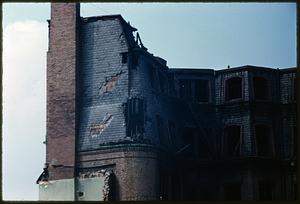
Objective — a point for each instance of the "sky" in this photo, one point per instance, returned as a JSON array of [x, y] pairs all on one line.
[[198, 35]]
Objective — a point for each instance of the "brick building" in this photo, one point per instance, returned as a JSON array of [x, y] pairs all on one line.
[[120, 121]]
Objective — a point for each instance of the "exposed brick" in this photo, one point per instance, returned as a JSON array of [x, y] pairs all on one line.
[[88, 96], [61, 89]]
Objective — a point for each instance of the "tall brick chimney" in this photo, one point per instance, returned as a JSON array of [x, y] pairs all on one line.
[[61, 90]]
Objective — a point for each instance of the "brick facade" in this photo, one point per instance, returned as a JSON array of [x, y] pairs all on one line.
[[61, 90], [164, 131]]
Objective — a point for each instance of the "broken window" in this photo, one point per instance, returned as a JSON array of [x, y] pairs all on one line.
[[264, 143], [266, 190], [232, 192], [124, 57], [201, 91], [135, 117], [232, 140], [260, 88], [234, 88], [185, 89]]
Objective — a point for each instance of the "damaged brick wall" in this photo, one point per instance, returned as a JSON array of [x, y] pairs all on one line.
[[97, 128], [134, 167], [139, 143], [110, 83], [103, 82], [61, 90]]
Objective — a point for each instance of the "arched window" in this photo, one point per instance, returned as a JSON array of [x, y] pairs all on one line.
[[264, 141], [234, 88], [260, 88]]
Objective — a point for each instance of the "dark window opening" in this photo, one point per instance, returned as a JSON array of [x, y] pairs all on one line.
[[124, 57], [232, 141], [203, 150], [135, 117], [185, 89], [201, 91], [234, 88], [260, 88], [188, 140], [232, 192], [264, 145], [266, 190]]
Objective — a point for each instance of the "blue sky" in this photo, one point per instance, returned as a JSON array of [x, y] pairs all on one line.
[[199, 35]]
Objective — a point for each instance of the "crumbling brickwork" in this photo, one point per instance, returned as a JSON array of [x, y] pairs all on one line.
[[164, 133]]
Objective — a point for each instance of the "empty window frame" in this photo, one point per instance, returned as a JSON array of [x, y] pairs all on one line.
[[264, 141], [234, 88], [185, 88], [266, 190], [201, 90], [260, 88], [232, 192], [232, 141], [135, 117]]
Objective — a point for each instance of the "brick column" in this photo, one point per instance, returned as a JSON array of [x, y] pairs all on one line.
[[61, 90]]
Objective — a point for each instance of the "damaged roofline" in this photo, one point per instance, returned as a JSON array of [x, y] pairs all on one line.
[[233, 69], [107, 17]]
